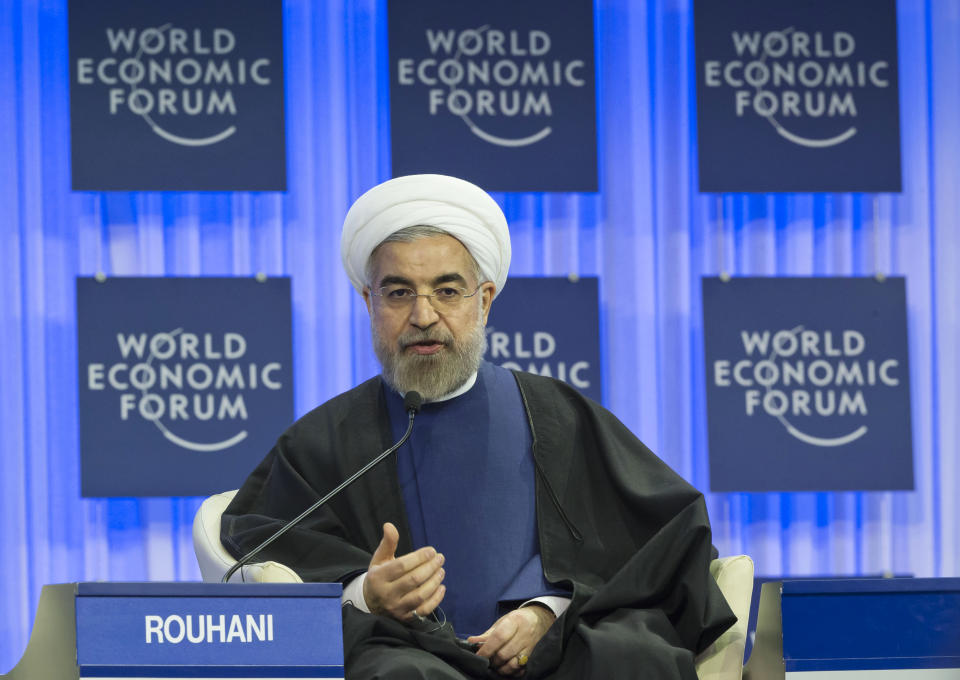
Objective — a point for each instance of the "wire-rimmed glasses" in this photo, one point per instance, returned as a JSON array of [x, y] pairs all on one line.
[[442, 297]]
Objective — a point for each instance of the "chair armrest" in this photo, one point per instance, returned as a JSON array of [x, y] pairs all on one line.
[[723, 660]]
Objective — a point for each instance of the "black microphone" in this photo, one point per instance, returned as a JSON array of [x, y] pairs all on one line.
[[411, 403]]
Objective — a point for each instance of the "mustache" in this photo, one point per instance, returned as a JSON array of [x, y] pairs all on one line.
[[424, 337]]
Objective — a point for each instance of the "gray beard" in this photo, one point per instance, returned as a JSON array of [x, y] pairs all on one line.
[[432, 375]]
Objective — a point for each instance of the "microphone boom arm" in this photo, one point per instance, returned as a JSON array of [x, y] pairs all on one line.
[[343, 485]]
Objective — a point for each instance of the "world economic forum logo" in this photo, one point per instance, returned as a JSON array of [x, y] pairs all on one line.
[[170, 379], [180, 373], [177, 95], [170, 74], [487, 73], [797, 96], [800, 377], [501, 93], [807, 383], [790, 75]]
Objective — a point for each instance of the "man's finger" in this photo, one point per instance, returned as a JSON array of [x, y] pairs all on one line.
[[388, 545], [400, 567], [484, 635], [524, 635], [531, 623], [416, 597], [511, 670], [426, 608], [419, 575], [510, 651], [501, 633]]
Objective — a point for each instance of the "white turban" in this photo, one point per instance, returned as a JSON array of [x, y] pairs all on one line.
[[463, 210]]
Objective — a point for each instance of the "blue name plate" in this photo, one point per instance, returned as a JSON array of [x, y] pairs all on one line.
[[209, 630], [871, 628]]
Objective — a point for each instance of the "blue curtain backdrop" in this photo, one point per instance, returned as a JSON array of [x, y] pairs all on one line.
[[648, 235]]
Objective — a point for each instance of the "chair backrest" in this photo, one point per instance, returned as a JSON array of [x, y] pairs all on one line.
[[723, 660], [213, 558]]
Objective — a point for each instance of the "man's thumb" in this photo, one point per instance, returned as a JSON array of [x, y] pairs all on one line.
[[388, 545]]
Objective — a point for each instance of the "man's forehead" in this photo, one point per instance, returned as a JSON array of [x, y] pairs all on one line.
[[427, 256]]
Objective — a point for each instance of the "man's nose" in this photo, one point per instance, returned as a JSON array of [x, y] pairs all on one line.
[[423, 314]]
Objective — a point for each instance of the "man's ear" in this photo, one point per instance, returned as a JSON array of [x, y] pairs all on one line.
[[487, 290], [367, 300]]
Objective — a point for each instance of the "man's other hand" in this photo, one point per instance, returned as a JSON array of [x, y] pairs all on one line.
[[512, 638], [403, 586]]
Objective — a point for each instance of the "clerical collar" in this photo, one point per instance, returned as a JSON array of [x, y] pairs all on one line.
[[463, 389]]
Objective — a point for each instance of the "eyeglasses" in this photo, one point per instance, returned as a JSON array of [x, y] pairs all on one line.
[[444, 297]]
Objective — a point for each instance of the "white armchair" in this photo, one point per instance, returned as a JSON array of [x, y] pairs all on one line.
[[214, 559], [723, 660]]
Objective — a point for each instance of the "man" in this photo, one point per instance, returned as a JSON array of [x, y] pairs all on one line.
[[519, 515]]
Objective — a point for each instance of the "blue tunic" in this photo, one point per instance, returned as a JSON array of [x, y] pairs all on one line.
[[467, 479]]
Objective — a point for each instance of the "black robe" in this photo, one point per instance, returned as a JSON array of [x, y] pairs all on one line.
[[624, 533]]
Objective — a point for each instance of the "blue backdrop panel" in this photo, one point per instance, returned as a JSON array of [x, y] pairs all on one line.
[[808, 384], [549, 326], [184, 382], [498, 92], [797, 96], [177, 95]]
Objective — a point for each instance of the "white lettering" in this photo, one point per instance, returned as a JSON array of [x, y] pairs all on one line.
[[265, 378], [746, 42], [95, 377], [117, 39], [519, 351], [575, 378], [135, 343], [128, 402], [853, 343], [499, 342], [236, 630], [544, 344], [168, 625], [885, 368], [221, 627], [113, 379], [197, 637], [755, 342], [154, 626], [405, 72], [235, 409], [721, 373], [855, 404]]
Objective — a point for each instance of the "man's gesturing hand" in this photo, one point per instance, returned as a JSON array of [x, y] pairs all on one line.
[[400, 586], [513, 636]]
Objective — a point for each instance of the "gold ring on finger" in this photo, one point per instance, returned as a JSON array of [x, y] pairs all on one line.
[[522, 659]]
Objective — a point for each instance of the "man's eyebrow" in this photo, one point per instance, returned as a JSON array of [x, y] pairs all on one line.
[[396, 280], [392, 279], [452, 277]]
